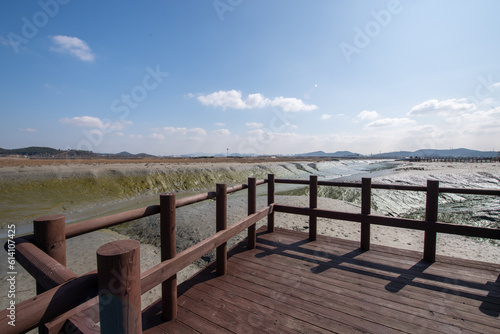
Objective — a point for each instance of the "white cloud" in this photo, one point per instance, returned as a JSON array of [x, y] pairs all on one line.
[[326, 116], [27, 130], [134, 136], [73, 46], [84, 121], [221, 132], [220, 124], [156, 136], [368, 115], [184, 131], [233, 99], [386, 122], [254, 125], [447, 107], [94, 122]]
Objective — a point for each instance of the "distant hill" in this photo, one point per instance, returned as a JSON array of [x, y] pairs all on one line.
[[36, 151], [48, 152], [431, 153]]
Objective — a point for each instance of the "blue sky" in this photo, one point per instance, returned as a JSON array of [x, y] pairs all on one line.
[[262, 77]]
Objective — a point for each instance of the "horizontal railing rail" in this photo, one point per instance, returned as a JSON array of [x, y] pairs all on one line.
[[465, 191]]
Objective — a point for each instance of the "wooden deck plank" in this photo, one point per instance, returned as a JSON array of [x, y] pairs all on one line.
[[381, 305], [398, 256], [289, 284], [367, 293], [372, 270]]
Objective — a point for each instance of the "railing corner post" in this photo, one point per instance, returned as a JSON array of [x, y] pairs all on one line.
[[119, 286], [50, 237], [168, 251]]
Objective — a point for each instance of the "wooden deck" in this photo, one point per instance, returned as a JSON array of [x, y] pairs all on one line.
[[289, 284]]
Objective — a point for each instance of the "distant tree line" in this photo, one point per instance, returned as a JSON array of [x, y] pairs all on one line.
[[45, 152]]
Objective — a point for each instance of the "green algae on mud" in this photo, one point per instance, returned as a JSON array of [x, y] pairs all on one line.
[[22, 200]]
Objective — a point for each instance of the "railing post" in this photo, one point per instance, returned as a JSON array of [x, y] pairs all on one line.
[[366, 194], [431, 212], [270, 200], [252, 208], [168, 251], [313, 204], [50, 237], [119, 286], [221, 224]]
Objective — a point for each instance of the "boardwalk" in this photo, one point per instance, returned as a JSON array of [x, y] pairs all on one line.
[[289, 284]]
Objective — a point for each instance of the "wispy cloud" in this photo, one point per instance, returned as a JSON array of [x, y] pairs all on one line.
[[447, 107], [73, 46], [184, 131], [254, 125], [27, 130], [96, 123], [221, 132], [368, 115], [386, 122], [156, 136], [326, 116], [233, 99]]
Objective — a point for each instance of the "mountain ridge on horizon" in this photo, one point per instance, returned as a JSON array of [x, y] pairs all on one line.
[[34, 151]]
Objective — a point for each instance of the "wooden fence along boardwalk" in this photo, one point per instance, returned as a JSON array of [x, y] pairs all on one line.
[[278, 281]]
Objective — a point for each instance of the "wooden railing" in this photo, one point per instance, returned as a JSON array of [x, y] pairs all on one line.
[[119, 284]]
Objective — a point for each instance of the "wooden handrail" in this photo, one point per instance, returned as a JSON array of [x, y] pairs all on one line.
[[165, 269], [465, 191], [470, 231], [95, 224], [50, 304]]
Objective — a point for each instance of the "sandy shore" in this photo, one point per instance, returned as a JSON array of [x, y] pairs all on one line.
[[198, 222]]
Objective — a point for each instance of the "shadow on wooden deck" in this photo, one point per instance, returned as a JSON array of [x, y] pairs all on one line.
[[289, 284]]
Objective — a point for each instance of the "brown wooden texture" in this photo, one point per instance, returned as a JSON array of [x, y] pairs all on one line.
[[313, 204], [221, 224], [87, 226], [152, 277], [119, 277], [50, 304], [287, 284], [431, 214], [270, 200], [471, 231], [366, 201], [168, 233], [252, 208], [50, 236]]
